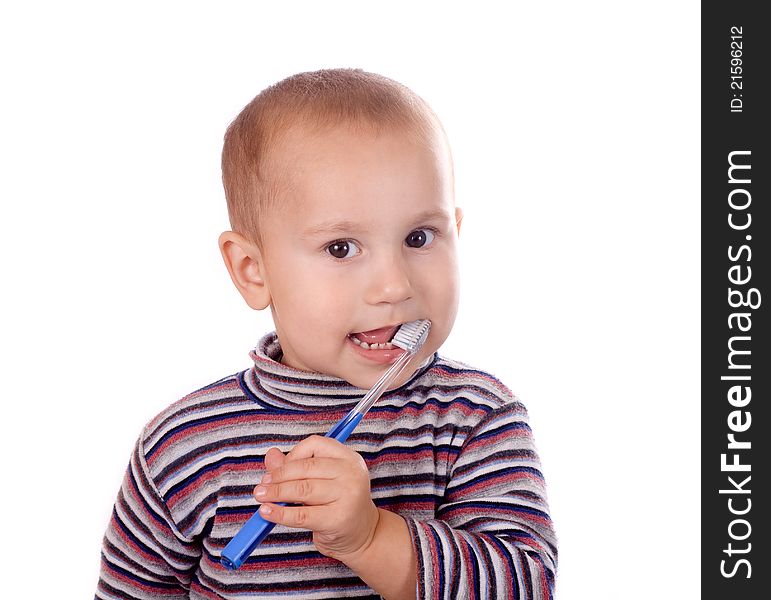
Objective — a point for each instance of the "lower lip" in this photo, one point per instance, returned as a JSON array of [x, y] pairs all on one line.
[[383, 357]]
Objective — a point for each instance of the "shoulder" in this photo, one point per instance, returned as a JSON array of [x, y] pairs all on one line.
[[208, 398], [485, 413], [454, 374], [462, 382], [194, 417]]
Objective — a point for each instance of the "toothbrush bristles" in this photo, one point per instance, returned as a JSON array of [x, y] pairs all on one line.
[[411, 336]]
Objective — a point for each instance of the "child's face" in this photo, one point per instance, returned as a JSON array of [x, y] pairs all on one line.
[[366, 239]]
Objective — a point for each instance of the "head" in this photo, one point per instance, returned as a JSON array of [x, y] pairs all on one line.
[[340, 194]]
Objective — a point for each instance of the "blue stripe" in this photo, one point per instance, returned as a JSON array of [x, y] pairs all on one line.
[[133, 577]]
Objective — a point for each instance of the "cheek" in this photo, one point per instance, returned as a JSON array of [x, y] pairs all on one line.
[[314, 302], [448, 297], [439, 289], [441, 276]]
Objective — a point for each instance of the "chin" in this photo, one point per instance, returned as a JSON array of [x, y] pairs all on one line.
[[366, 381]]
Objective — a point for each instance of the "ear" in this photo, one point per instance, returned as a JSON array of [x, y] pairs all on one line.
[[246, 266], [458, 218]]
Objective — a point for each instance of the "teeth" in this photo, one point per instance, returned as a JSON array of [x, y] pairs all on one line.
[[366, 346]]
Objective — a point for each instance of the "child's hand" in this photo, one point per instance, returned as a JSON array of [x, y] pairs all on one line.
[[332, 483]]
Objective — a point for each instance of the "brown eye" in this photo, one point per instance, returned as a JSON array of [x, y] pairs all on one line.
[[419, 238], [342, 249]]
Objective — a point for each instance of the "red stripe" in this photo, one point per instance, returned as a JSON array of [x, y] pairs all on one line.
[[191, 488], [139, 501], [500, 438], [133, 583], [407, 506], [401, 458], [544, 582], [223, 422], [504, 560], [492, 482], [130, 541], [502, 514], [435, 566], [504, 391], [199, 589], [464, 548], [231, 384], [321, 561]]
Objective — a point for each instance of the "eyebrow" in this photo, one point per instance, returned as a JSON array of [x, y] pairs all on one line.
[[334, 226]]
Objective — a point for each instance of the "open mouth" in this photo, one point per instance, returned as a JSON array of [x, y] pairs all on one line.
[[375, 339]]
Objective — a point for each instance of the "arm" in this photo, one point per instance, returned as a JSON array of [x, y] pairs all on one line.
[[144, 556], [493, 537], [388, 564], [374, 543]]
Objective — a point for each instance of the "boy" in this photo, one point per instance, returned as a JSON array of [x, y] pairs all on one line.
[[340, 193]]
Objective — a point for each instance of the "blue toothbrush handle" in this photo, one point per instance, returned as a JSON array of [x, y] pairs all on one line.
[[345, 426], [246, 540], [256, 528]]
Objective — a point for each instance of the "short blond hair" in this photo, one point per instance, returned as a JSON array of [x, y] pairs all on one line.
[[317, 100]]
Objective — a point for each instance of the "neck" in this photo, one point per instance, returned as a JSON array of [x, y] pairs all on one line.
[[282, 387]]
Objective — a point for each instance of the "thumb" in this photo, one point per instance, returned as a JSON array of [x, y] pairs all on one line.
[[274, 458]]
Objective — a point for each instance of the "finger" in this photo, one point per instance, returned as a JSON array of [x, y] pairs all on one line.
[[312, 492], [317, 445], [303, 517], [308, 468], [274, 458]]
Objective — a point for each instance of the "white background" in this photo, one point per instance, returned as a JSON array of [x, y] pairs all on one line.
[[575, 131]]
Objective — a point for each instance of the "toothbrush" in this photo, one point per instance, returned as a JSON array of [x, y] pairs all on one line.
[[410, 337]]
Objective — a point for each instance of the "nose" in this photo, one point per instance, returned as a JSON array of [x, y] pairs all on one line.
[[389, 281]]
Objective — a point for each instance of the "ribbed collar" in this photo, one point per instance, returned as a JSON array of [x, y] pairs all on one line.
[[280, 386]]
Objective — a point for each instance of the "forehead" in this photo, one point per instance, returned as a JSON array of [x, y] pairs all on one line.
[[363, 175]]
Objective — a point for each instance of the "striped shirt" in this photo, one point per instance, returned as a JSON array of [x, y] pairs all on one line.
[[450, 451]]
